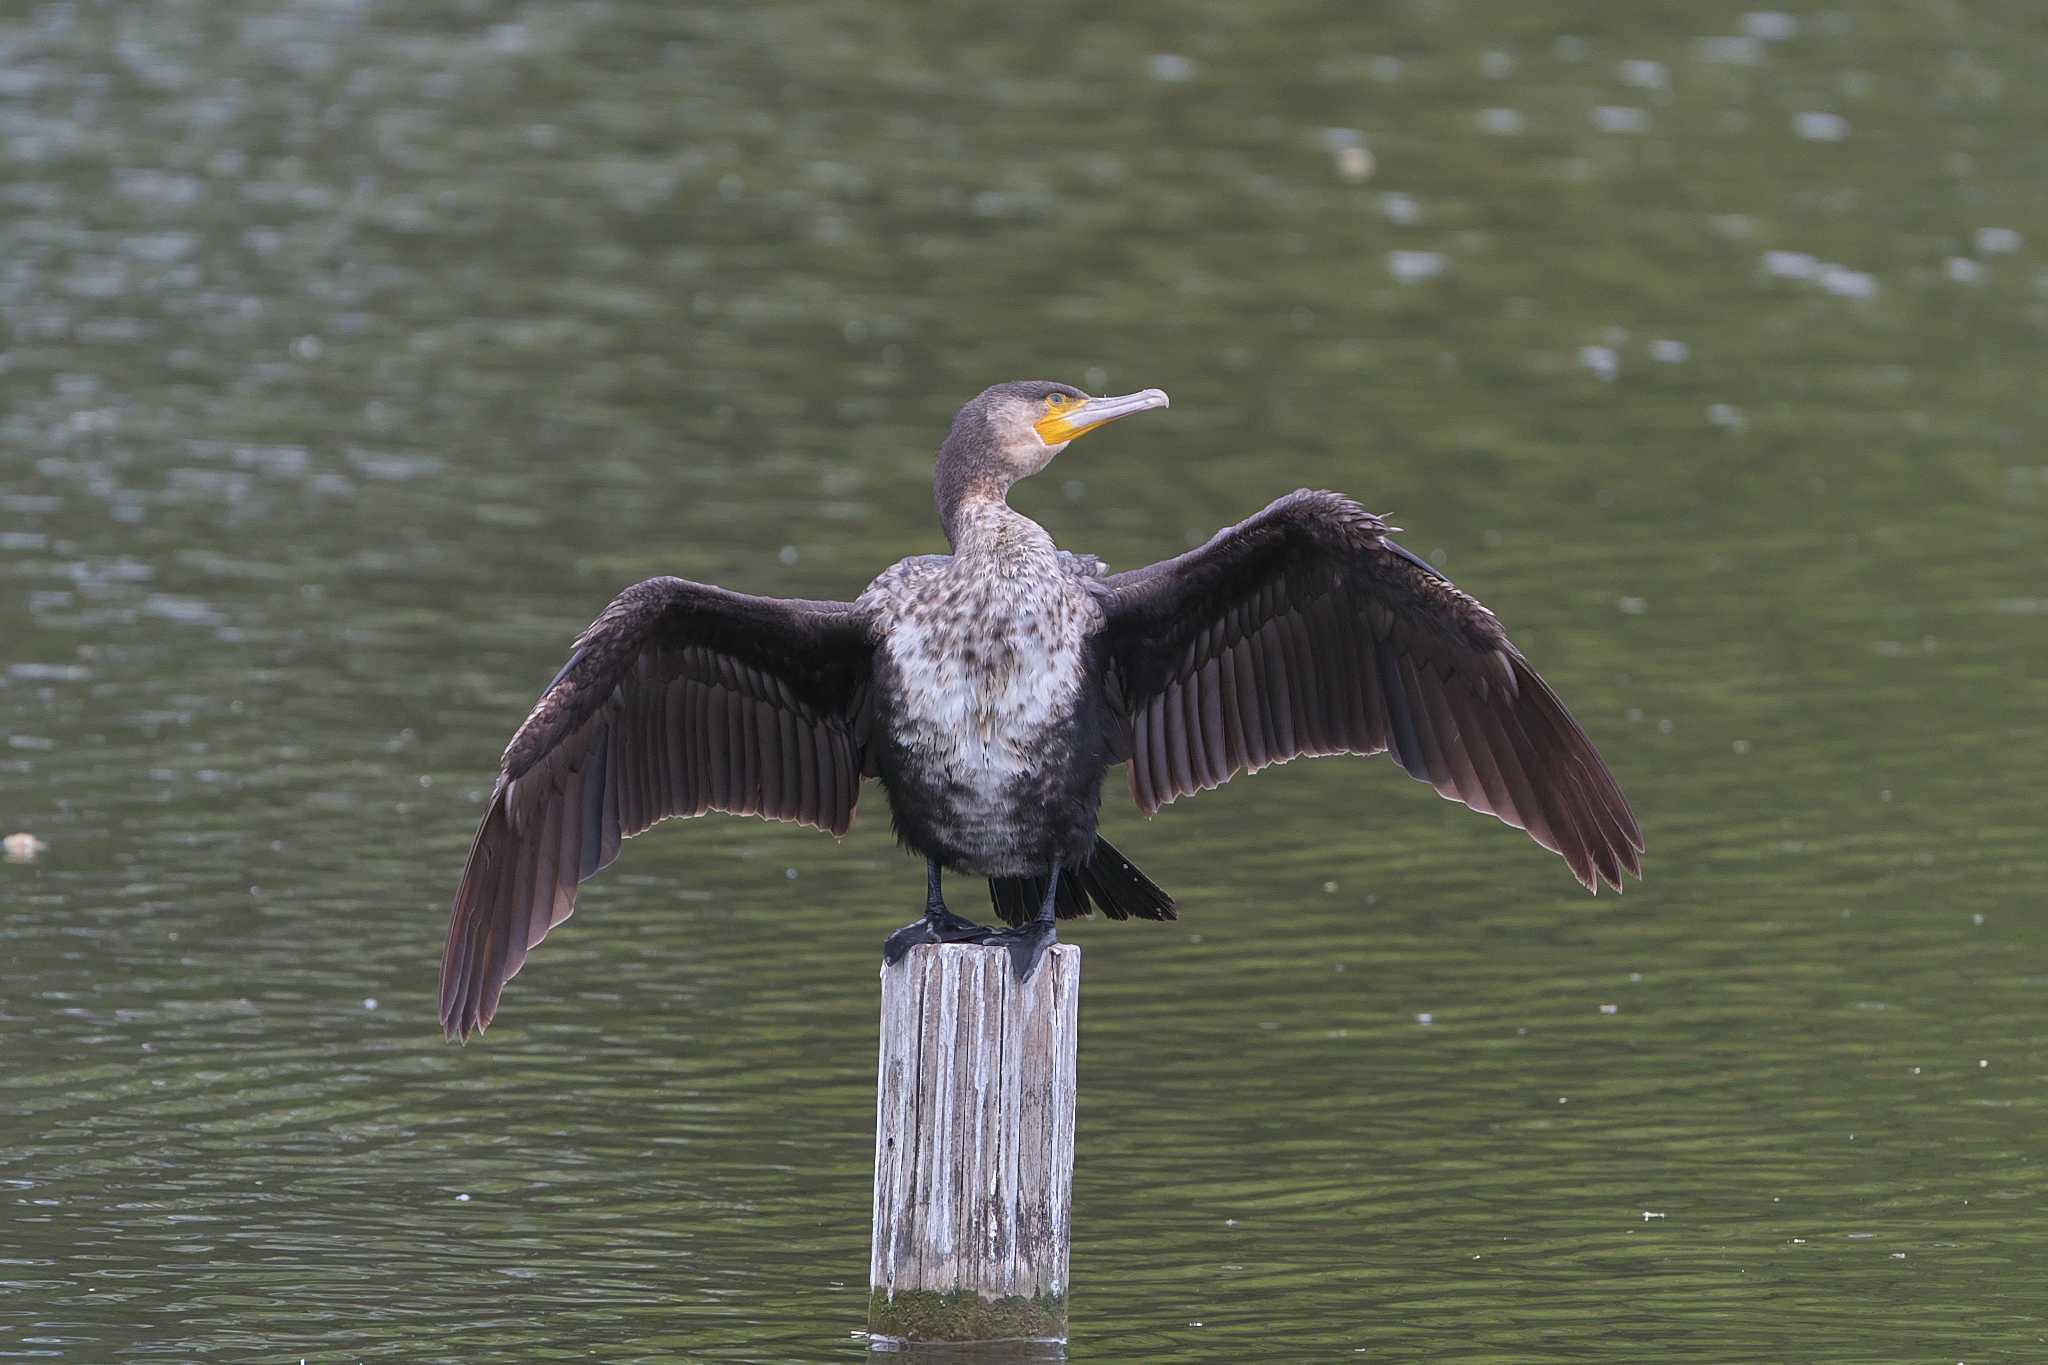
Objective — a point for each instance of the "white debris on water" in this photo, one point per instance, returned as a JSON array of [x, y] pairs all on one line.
[[1496, 65], [1620, 118], [1602, 361], [1649, 1214], [1610, 1009], [1642, 74], [1846, 283], [1425, 1018], [1770, 26], [1997, 241], [1347, 148], [1400, 209], [1668, 351], [1790, 265], [22, 847], [1813, 126], [1501, 122], [1963, 270], [1411, 267], [1743, 51], [1171, 67], [369, 1002], [1632, 606]]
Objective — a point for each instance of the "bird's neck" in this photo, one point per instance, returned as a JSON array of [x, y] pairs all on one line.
[[988, 528]]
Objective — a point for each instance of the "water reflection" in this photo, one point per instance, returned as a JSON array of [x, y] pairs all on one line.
[[355, 354]]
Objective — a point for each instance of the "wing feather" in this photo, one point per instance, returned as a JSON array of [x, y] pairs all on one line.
[[680, 698], [1305, 630]]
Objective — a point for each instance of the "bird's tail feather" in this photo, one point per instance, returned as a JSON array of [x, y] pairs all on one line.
[[1108, 880]]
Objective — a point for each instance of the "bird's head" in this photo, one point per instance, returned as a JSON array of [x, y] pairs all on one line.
[[1017, 428]]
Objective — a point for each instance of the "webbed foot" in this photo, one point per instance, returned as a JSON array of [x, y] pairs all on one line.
[[1027, 945], [939, 925]]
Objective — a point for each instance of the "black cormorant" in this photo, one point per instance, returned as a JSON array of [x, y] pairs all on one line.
[[990, 689]]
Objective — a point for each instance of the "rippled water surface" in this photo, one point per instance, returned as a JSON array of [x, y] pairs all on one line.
[[352, 354]]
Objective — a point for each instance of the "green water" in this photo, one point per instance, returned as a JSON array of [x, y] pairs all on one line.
[[353, 354]]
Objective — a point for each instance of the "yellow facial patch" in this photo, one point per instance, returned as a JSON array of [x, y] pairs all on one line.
[[1066, 418]]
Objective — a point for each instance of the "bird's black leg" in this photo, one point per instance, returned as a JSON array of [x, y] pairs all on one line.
[[1027, 943], [939, 924]]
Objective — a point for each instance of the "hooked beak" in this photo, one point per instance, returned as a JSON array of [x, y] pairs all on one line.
[[1078, 419]]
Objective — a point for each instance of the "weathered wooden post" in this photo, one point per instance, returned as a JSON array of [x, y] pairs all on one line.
[[974, 1146]]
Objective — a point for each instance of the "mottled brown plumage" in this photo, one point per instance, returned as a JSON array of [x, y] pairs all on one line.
[[990, 689]]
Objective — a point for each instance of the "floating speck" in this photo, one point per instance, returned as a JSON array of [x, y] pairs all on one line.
[[1790, 265], [1642, 74], [788, 554], [1496, 65], [1610, 1009], [1846, 283], [1898, 1255], [1170, 66], [1983, 1062], [1741, 746], [462, 1199], [1977, 918], [369, 1002], [1669, 352], [1963, 270], [1329, 888], [1997, 241], [1400, 209], [1563, 1100], [1601, 360], [1411, 267], [1620, 118], [1501, 122], [1770, 26], [1649, 1214], [1425, 1018], [1632, 606], [1813, 126], [1354, 163], [789, 874], [1743, 51], [22, 847]]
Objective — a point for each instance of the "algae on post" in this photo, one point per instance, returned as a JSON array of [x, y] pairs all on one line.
[[925, 1315]]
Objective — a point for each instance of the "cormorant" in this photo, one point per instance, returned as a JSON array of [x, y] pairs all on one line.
[[990, 690]]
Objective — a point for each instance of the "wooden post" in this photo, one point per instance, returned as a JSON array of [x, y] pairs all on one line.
[[974, 1146]]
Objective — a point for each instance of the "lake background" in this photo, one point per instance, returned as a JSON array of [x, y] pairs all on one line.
[[352, 355]]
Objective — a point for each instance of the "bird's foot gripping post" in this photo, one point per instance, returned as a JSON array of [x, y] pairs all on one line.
[[974, 1146]]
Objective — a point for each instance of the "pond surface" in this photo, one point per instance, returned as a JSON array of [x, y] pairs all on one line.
[[354, 354]]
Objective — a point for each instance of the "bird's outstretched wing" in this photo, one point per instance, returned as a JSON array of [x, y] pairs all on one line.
[[680, 698], [1304, 630]]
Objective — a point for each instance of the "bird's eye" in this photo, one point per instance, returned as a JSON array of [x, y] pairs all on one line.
[[1053, 400]]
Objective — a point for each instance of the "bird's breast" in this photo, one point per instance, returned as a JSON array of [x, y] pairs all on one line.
[[980, 672]]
